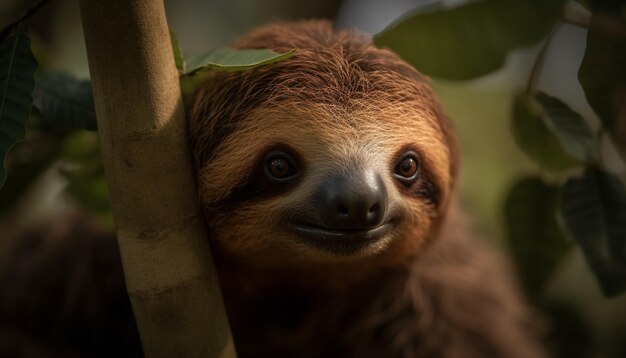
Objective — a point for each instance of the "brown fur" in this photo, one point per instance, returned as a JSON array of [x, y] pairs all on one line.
[[430, 290], [336, 86], [427, 290]]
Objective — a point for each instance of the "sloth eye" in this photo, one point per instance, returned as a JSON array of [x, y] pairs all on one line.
[[279, 165], [279, 168], [407, 168]]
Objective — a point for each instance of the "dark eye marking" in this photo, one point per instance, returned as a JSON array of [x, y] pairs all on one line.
[[277, 170]]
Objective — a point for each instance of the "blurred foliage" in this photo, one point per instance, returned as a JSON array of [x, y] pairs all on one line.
[[469, 40], [550, 132], [594, 211], [575, 195], [533, 231], [64, 103], [17, 68]]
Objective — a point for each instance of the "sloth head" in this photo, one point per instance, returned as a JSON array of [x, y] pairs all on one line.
[[339, 153]]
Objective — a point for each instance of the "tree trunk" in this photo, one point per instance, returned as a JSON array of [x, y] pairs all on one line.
[[163, 241]]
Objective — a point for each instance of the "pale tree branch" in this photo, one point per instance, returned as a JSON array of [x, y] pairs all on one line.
[[162, 236]]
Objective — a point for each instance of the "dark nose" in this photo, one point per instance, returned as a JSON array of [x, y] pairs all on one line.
[[354, 201]]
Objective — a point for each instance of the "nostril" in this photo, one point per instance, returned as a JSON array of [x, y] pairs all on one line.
[[374, 208], [343, 209]]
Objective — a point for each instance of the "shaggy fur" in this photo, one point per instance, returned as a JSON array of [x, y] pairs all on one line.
[[364, 106], [428, 289]]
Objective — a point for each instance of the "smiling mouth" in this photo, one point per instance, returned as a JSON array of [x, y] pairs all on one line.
[[342, 241]]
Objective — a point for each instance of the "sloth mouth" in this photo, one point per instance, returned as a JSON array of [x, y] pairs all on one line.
[[342, 241]]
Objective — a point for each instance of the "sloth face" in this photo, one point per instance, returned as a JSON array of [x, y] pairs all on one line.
[[308, 182], [338, 154]]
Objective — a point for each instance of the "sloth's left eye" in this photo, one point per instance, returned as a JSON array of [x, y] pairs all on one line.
[[407, 168], [279, 166]]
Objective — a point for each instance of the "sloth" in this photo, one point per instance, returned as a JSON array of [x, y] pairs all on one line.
[[327, 182]]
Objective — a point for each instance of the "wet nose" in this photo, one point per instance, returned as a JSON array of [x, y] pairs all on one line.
[[353, 201]]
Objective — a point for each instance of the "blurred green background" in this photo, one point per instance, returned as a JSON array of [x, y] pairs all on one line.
[[590, 324]]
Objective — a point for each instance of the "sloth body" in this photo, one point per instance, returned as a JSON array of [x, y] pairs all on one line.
[[327, 184]]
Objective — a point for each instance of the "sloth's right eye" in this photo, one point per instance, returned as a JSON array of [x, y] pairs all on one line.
[[407, 168], [280, 166]]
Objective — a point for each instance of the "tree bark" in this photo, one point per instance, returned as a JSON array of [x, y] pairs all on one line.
[[163, 240]]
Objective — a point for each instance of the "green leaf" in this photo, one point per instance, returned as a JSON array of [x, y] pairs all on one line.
[[573, 132], [229, 59], [550, 132], [470, 40], [64, 102], [178, 53], [602, 75], [17, 68], [533, 233], [594, 213]]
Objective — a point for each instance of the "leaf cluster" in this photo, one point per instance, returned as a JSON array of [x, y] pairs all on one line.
[[574, 195]]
